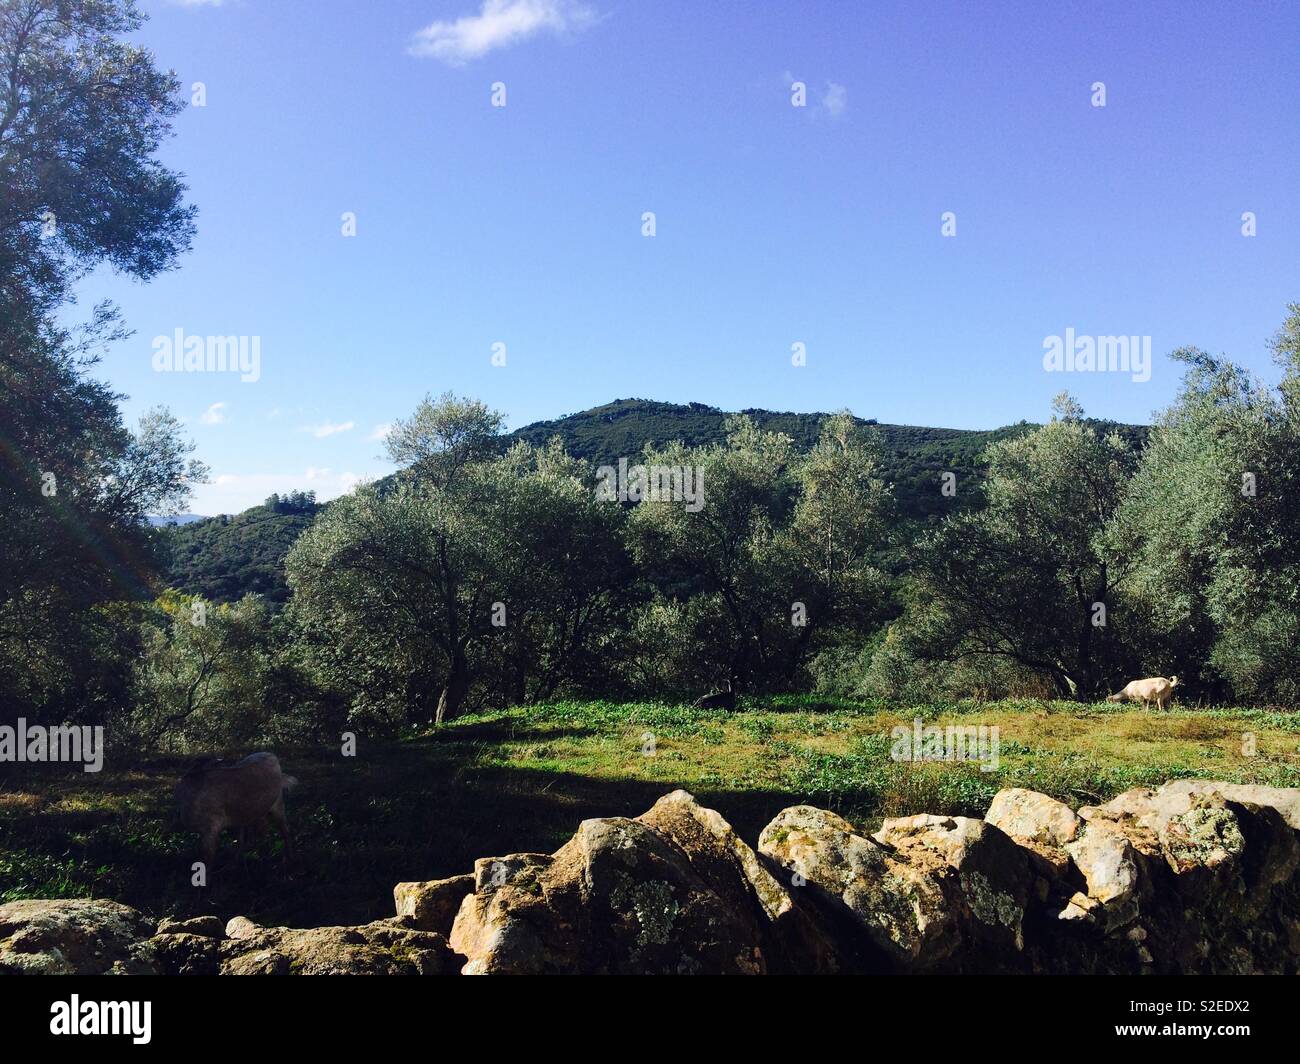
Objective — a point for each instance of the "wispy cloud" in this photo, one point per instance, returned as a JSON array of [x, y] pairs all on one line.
[[196, 3], [499, 24], [380, 432], [213, 415], [328, 428], [835, 100]]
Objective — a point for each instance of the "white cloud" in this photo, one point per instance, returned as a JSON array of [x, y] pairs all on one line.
[[213, 415], [380, 432], [835, 100], [328, 429], [498, 24], [197, 3], [231, 493]]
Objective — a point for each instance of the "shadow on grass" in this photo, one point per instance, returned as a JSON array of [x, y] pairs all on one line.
[[406, 811]]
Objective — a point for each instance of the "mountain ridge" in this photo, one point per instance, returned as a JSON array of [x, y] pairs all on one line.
[[225, 556]]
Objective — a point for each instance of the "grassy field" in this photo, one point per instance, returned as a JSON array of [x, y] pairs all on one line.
[[521, 779]]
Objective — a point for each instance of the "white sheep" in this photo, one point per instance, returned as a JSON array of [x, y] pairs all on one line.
[[1156, 689]]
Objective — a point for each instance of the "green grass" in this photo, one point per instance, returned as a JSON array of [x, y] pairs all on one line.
[[521, 779]]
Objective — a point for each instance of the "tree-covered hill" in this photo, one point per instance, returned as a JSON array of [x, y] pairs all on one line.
[[223, 558], [226, 557], [914, 456]]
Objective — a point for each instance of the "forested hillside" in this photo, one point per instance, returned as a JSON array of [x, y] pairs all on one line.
[[225, 557]]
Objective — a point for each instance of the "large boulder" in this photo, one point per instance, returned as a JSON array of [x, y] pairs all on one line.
[[663, 895], [983, 875], [1109, 865], [922, 889], [1286, 800], [73, 937], [1206, 884], [1040, 824], [789, 936]]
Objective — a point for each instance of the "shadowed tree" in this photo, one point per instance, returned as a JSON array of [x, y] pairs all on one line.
[[82, 114]]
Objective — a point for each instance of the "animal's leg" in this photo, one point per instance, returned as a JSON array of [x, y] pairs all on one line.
[[281, 823], [241, 846], [208, 848]]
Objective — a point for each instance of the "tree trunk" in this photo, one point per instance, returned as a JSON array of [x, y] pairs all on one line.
[[454, 691], [519, 683]]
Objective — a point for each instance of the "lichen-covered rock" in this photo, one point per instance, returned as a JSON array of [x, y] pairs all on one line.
[[932, 893], [1216, 876], [1203, 835], [788, 935], [1286, 800], [984, 877], [431, 905], [618, 898], [901, 910], [73, 937], [380, 948]]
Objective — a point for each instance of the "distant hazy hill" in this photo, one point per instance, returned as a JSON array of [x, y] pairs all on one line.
[[226, 557]]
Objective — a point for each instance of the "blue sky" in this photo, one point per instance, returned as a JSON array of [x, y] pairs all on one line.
[[522, 224]]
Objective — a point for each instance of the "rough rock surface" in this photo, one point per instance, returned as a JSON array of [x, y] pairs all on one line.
[[1208, 884], [617, 898], [923, 889], [182, 953], [431, 905], [1192, 877], [1286, 800], [73, 937], [380, 948], [790, 938], [1040, 824]]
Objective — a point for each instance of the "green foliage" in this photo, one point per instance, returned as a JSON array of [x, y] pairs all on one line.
[[82, 117], [1028, 578], [1213, 521], [486, 575], [225, 558], [213, 676], [84, 113], [911, 457], [779, 560]]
